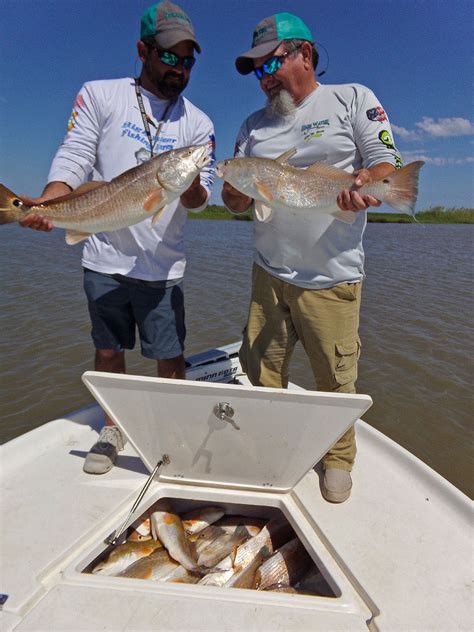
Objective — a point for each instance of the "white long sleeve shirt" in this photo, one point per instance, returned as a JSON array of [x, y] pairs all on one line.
[[345, 126], [106, 137]]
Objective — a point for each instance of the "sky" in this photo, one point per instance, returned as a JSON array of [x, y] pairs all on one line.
[[416, 55]]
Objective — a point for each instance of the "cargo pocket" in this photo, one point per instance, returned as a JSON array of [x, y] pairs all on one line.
[[347, 355]]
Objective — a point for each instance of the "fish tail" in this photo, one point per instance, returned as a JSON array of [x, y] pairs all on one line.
[[11, 207], [403, 188]]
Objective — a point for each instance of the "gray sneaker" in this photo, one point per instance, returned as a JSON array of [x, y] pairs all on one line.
[[337, 485], [103, 454]]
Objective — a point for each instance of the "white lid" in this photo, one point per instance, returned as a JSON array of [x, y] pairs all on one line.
[[274, 437]]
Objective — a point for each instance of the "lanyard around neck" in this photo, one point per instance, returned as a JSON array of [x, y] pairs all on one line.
[[146, 118]]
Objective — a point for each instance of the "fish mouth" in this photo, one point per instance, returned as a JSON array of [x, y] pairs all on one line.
[[201, 156]]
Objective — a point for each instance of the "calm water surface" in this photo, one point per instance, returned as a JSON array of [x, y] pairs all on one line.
[[415, 328]]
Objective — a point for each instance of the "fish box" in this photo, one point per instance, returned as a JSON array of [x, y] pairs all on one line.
[[247, 451]]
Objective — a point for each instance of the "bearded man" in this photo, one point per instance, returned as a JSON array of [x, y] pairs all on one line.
[[308, 268], [133, 276]]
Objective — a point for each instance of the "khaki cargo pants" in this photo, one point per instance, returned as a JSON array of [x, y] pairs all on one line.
[[325, 321]]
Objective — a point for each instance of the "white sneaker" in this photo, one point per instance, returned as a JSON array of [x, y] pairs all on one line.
[[103, 454]]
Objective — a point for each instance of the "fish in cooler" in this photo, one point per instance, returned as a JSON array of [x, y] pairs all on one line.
[[125, 554], [168, 528], [273, 535], [197, 520], [221, 547], [140, 530], [234, 552], [245, 578], [156, 566], [230, 523], [286, 566]]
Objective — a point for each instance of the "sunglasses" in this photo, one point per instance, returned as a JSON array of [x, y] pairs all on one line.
[[272, 65], [170, 59]]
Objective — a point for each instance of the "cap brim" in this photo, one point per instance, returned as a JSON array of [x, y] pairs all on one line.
[[244, 63], [168, 40]]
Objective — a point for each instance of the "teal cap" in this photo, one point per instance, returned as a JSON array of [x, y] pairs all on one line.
[[268, 35], [168, 24]]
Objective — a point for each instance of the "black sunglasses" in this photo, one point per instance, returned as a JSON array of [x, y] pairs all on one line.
[[171, 59], [273, 64]]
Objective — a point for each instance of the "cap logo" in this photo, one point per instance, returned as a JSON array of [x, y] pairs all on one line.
[[174, 14], [258, 34]]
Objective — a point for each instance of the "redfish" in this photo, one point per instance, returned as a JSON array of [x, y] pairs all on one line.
[[137, 194], [276, 184], [168, 528], [124, 555]]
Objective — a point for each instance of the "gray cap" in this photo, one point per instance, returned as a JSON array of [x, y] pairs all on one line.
[[168, 24], [268, 35]]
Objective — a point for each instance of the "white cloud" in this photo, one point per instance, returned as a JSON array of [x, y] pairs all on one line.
[[406, 134], [436, 161], [455, 126], [441, 128]]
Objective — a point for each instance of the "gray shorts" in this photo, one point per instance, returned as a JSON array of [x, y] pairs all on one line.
[[118, 304]]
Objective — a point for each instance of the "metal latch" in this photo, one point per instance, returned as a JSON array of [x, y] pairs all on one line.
[[113, 538], [224, 411]]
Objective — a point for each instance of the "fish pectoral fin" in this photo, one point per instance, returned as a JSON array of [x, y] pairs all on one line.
[[262, 212], [348, 217], [328, 171], [283, 159], [154, 201], [75, 236], [264, 191], [157, 215]]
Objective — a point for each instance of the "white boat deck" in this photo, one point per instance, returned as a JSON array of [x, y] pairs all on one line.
[[402, 540]]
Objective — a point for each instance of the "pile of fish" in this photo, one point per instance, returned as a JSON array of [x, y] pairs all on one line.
[[207, 547]]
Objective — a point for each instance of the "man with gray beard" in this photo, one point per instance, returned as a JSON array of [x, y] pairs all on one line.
[[308, 267]]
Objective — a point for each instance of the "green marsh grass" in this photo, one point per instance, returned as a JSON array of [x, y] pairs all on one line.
[[433, 215]]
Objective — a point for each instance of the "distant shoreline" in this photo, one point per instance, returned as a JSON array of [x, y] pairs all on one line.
[[435, 215]]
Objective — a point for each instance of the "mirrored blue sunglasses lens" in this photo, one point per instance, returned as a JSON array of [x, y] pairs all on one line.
[[188, 62], [269, 67], [170, 59]]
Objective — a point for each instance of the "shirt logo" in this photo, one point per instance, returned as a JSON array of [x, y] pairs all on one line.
[[72, 120], [136, 132], [377, 114], [78, 104], [387, 140], [315, 129]]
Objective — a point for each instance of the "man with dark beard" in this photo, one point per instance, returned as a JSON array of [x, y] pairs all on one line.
[[133, 277], [308, 270]]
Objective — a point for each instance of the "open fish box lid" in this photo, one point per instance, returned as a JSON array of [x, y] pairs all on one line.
[[226, 436]]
